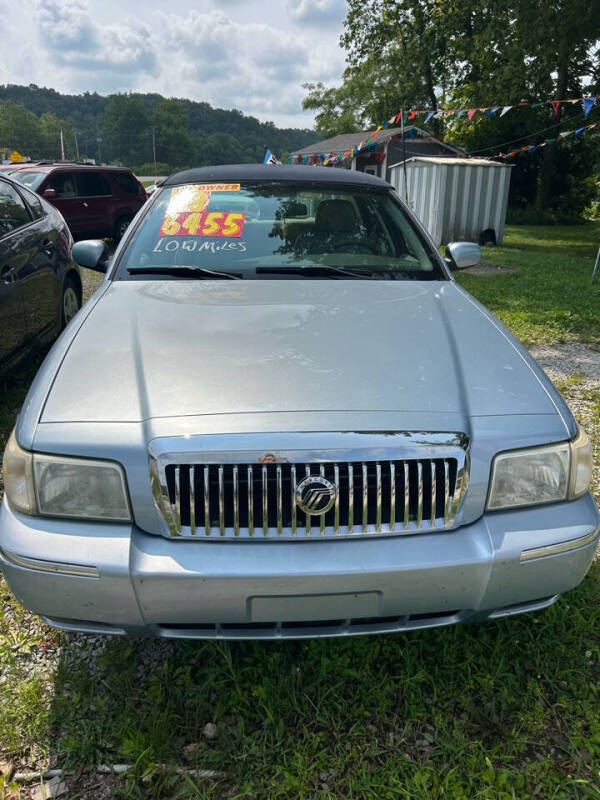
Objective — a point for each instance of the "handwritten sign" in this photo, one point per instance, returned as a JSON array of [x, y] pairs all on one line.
[[208, 223], [196, 196]]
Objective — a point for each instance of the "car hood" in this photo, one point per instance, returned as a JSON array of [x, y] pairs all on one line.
[[152, 349]]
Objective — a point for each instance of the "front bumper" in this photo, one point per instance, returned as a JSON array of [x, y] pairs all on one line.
[[123, 580]]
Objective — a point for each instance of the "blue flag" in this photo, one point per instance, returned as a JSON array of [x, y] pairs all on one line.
[[588, 104], [270, 158]]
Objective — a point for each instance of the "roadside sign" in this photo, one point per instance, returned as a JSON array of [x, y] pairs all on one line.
[[16, 157]]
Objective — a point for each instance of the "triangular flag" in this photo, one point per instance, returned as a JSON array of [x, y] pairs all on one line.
[[579, 131], [588, 104], [556, 106], [398, 117], [412, 115], [534, 148], [439, 114], [471, 113], [492, 111], [460, 114], [430, 114], [505, 110], [564, 134]]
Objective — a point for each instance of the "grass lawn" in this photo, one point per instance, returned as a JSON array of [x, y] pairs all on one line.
[[548, 296], [505, 709]]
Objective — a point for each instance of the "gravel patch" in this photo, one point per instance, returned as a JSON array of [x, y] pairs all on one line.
[[560, 361], [575, 370]]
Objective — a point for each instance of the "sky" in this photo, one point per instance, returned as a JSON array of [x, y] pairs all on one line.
[[253, 55]]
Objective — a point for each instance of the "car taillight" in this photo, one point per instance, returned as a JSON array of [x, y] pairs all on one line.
[[67, 240]]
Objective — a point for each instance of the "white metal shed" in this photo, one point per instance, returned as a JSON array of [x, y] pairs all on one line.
[[455, 198]]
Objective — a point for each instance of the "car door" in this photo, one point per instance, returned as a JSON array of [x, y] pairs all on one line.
[[36, 262], [97, 197], [41, 275], [67, 199], [14, 218]]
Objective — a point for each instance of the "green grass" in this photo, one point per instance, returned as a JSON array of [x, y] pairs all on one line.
[[548, 297], [505, 709]]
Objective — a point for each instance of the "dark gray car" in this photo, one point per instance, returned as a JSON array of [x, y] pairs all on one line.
[[40, 286]]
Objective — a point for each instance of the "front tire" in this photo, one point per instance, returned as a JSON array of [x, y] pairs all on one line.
[[71, 301]]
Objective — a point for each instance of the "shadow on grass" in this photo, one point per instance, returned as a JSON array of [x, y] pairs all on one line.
[[453, 712]]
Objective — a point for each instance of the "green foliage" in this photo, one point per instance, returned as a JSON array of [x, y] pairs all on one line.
[[122, 128]]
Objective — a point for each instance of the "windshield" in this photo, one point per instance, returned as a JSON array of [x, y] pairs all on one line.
[[31, 179], [274, 231]]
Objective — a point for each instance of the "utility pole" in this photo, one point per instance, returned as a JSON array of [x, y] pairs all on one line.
[[99, 140], [154, 151], [403, 156], [76, 146]]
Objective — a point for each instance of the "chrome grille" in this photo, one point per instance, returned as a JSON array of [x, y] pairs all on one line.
[[221, 495]]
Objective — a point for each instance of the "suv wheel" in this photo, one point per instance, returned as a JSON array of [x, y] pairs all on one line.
[[121, 226], [71, 301]]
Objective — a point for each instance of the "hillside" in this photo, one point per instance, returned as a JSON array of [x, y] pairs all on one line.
[[123, 127]]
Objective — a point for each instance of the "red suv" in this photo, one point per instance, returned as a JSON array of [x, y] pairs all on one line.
[[95, 201]]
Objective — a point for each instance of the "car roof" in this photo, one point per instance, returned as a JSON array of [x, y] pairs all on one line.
[[293, 173], [44, 166]]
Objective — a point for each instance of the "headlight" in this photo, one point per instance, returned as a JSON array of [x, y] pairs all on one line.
[[541, 474], [17, 467], [581, 465], [58, 486]]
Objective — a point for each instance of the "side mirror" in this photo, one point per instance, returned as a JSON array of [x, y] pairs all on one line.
[[50, 194], [461, 255], [91, 253]]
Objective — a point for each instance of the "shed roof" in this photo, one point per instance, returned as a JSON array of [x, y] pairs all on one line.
[[347, 141], [471, 162]]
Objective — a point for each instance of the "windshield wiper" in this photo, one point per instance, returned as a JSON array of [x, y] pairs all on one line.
[[185, 272], [320, 271]]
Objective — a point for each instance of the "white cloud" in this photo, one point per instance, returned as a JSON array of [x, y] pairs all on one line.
[[253, 56], [69, 33], [316, 12]]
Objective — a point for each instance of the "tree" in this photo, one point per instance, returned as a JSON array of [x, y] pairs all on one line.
[[19, 130], [173, 141], [469, 53], [126, 130]]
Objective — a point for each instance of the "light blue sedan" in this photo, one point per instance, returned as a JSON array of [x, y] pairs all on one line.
[[280, 416]]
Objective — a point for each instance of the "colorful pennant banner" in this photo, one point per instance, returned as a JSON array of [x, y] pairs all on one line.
[[530, 149], [403, 117]]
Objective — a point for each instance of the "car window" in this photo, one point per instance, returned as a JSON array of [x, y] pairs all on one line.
[[64, 184], [127, 182], [256, 229], [34, 203], [93, 184], [13, 212], [27, 178]]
